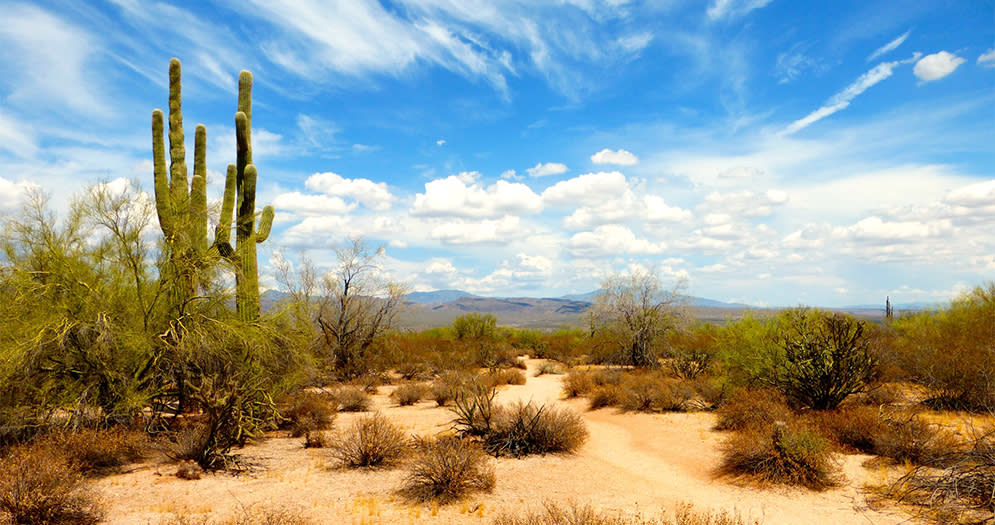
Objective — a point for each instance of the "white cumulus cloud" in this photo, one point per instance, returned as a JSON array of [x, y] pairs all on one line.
[[373, 195], [461, 196], [936, 66], [610, 240], [621, 157], [588, 189], [987, 59]]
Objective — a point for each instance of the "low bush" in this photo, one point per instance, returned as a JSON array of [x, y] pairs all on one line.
[[445, 388], [371, 442], [690, 364], [604, 396], [505, 376], [652, 393], [855, 428], [524, 429], [317, 439], [188, 469], [578, 383], [448, 468], [549, 367], [907, 437], [39, 485], [407, 395], [308, 412], [353, 399], [101, 451], [753, 409], [475, 409], [782, 454]]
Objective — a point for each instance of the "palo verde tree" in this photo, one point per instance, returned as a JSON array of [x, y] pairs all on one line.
[[821, 358], [634, 312]]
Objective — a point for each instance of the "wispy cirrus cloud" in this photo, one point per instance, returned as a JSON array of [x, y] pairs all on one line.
[[720, 9], [889, 47]]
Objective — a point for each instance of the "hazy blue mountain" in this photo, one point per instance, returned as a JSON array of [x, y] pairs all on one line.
[[437, 296]]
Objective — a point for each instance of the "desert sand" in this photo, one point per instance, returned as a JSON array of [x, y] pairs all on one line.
[[632, 464]]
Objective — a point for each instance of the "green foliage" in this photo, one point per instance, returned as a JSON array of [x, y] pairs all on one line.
[[475, 325], [952, 350], [821, 359]]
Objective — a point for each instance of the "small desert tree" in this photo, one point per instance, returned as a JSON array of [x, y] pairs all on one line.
[[475, 325], [634, 312], [821, 358], [360, 306]]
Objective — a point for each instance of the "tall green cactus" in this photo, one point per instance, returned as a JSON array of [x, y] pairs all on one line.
[[182, 211], [240, 182]]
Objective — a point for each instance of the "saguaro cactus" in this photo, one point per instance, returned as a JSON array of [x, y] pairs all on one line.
[[240, 189], [182, 211]]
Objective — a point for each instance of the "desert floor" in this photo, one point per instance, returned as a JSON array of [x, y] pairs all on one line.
[[632, 464]]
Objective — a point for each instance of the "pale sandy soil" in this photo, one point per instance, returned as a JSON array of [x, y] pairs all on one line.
[[632, 464]]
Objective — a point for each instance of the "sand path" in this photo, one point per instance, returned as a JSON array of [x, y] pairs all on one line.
[[631, 464]]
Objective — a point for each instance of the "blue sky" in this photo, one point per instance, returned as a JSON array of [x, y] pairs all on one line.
[[770, 152]]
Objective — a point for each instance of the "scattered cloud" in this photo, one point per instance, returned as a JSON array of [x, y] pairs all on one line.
[[490, 231], [462, 196], [936, 66], [889, 47], [440, 142], [373, 195], [611, 240], [16, 137], [620, 157], [588, 189], [547, 168], [720, 9], [987, 59]]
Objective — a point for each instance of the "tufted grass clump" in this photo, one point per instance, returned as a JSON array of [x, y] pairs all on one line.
[[308, 412], [353, 399], [524, 429], [407, 395]]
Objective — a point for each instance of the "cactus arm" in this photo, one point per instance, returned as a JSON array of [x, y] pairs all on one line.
[[198, 192], [222, 234], [161, 182], [177, 150], [247, 207], [265, 224], [245, 106]]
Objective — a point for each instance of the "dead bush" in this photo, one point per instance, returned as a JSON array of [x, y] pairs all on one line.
[[505, 376], [407, 395], [317, 439], [188, 469], [524, 429], [445, 388], [549, 367], [39, 485], [781, 454], [578, 383], [753, 409], [101, 451], [447, 468], [308, 412], [353, 399], [652, 393], [907, 437], [604, 396], [371, 442], [855, 428]]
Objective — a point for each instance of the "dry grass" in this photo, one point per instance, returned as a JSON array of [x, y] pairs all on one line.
[[854, 428], [575, 514], [604, 396], [38, 484], [505, 376], [371, 442], [653, 393], [578, 383], [253, 515], [448, 468], [781, 454], [909, 438], [551, 368], [101, 451]]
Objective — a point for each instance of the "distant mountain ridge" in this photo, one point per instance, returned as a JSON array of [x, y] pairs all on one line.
[[448, 296]]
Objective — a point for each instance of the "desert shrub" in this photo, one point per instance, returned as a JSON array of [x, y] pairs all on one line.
[[371, 442], [690, 364], [854, 428], [475, 409], [448, 468], [604, 396], [316, 439], [578, 383], [39, 485], [412, 370], [445, 388], [907, 437], [753, 409], [189, 470], [549, 367], [525, 429], [952, 351], [505, 376], [353, 399], [821, 358], [409, 394], [308, 412], [884, 394], [99, 451], [652, 393], [475, 325], [782, 454], [192, 443]]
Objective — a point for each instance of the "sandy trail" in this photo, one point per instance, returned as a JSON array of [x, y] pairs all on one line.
[[631, 464]]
